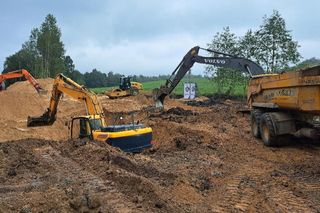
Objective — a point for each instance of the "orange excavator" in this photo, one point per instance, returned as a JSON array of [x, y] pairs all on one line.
[[18, 74]]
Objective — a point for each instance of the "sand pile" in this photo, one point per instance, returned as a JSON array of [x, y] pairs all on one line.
[[26, 87], [126, 104], [21, 100]]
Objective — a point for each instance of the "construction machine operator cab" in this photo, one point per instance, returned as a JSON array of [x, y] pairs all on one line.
[[81, 128], [125, 83]]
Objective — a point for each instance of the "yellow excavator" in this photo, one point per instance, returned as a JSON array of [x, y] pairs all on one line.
[[126, 88], [130, 138]]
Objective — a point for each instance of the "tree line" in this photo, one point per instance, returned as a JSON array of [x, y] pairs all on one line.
[[271, 46]]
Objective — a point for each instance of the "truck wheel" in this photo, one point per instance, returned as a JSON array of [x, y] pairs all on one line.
[[255, 118], [267, 130]]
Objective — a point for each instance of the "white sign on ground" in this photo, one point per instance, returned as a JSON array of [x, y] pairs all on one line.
[[189, 91]]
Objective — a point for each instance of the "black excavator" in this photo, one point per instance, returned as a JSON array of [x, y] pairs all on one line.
[[219, 60]]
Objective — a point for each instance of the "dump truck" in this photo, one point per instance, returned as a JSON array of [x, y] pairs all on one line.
[[285, 104]]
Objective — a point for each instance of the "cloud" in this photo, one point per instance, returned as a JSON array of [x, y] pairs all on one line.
[[144, 36], [149, 57]]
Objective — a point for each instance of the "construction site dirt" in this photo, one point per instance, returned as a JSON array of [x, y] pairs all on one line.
[[204, 159]]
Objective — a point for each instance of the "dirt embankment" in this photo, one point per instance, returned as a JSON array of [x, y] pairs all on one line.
[[21, 100], [204, 160]]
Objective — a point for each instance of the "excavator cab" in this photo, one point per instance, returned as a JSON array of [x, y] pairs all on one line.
[[125, 83], [81, 128]]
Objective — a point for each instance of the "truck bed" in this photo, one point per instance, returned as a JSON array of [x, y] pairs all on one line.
[[297, 90]]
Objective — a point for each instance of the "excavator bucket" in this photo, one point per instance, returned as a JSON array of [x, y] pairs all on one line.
[[159, 104], [43, 120], [158, 96]]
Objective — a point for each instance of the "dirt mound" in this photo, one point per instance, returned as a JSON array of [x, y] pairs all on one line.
[[179, 111], [126, 104], [21, 100], [26, 87], [215, 99]]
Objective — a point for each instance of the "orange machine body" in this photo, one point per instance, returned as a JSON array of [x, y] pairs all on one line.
[[18, 74]]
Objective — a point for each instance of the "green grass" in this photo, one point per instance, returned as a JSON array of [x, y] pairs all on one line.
[[205, 87]]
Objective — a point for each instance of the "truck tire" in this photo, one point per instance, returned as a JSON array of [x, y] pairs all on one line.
[[255, 118], [267, 130]]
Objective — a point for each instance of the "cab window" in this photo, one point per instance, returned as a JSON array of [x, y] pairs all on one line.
[[95, 124]]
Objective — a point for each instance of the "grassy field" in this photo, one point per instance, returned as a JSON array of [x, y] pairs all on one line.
[[205, 87]]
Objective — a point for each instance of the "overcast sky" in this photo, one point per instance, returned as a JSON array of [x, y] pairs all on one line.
[[149, 36]]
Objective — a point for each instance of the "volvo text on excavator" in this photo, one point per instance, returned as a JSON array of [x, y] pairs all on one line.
[[220, 60], [130, 138], [18, 74]]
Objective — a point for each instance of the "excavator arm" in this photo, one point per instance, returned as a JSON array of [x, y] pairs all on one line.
[[220, 60], [19, 74], [64, 85]]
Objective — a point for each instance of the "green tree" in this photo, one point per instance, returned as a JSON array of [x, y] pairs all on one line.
[[271, 46], [50, 47], [95, 79], [276, 49], [226, 79], [77, 77], [43, 54], [248, 46], [69, 66]]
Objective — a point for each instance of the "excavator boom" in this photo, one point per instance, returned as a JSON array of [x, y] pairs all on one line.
[[19, 74], [221, 60], [64, 85]]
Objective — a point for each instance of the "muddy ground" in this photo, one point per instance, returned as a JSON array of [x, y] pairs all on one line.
[[204, 159]]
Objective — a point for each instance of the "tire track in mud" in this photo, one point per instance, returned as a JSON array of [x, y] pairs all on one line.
[[239, 193], [286, 201], [66, 168], [249, 190]]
